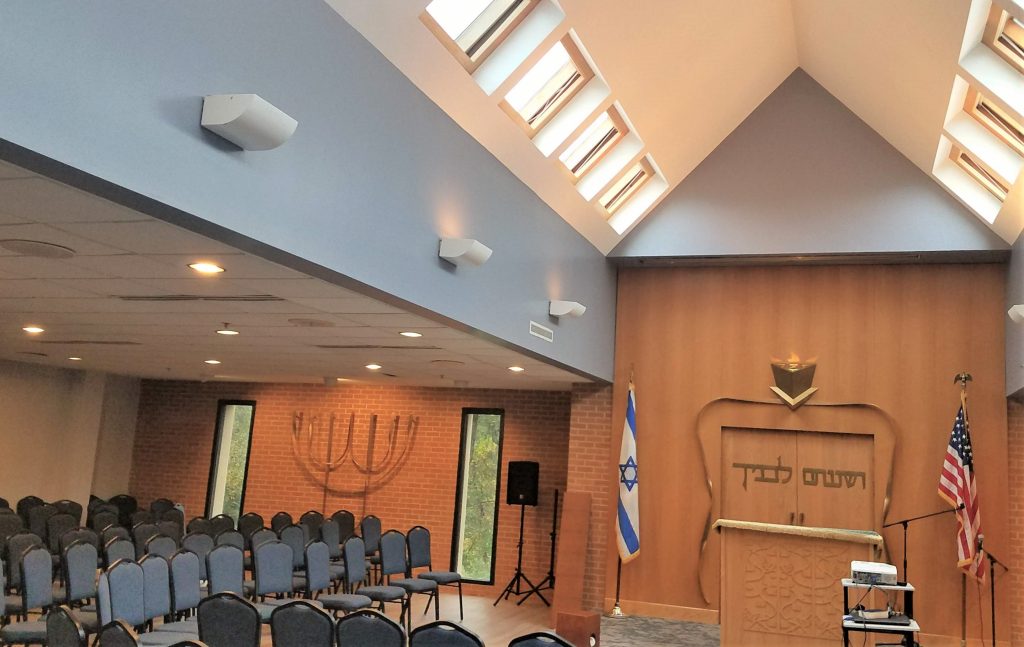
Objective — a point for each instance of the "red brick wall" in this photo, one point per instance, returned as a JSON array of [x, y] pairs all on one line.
[[1015, 552], [174, 440], [590, 464]]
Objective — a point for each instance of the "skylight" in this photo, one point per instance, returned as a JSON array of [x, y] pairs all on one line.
[[595, 140], [628, 183], [549, 84], [1009, 39], [476, 27], [996, 120], [980, 173]]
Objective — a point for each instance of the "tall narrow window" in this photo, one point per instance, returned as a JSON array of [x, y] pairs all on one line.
[[225, 493], [476, 500], [472, 29]]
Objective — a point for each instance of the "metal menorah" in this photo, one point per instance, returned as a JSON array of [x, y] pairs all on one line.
[[374, 471]]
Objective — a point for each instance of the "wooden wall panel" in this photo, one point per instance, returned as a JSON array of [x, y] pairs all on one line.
[[891, 336]]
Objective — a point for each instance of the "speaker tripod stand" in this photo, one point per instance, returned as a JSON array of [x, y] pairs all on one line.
[[515, 585]]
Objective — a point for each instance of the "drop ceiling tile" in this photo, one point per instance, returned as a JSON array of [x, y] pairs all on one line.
[[205, 286], [130, 266], [237, 266], [355, 304], [46, 268], [40, 200], [401, 320], [307, 288], [48, 234], [110, 287], [37, 289], [149, 237]]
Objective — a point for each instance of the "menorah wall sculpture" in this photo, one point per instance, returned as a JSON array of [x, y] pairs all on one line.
[[371, 473]]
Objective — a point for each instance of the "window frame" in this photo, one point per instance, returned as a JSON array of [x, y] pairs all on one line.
[[575, 53], [472, 63], [218, 433], [972, 107], [979, 172], [620, 123], [457, 525], [628, 191], [994, 28]]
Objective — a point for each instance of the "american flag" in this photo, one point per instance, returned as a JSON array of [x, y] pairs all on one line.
[[957, 486]]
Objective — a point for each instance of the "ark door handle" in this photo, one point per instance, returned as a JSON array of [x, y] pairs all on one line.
[[792, 518], [801, 518]]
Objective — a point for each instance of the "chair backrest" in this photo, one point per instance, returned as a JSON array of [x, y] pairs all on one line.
[[63, 630], [10, 524], [295, 537], [331, 535], [392, 554], [300, 624], [106, 509], [16, 546], [175, 515], [118, 548], [249, 523], [56, 525], [124, 583], [79, 534], [118, 634], [540, 639], [73, 508], [272, 568], [225, 570], [354, 555], [141, 533], [220, 523], [231, 537], [442, 633], [201, 544], [186, 581], [111, 532], [141, 516], [4, 503], [37, 578], [312, 519], [280, 520], [318, 572], [126, 505], [346, 523], [199, 525], [161, 545], [418, 540], [159, 506], [369, 530], [38, 516], [79, 566], [103, 519], [366, 627], [227, 620], [24, 507], [156, 586], [170, 528], [261, 536]]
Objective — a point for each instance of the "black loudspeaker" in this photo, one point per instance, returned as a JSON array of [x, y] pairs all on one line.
[[522, 483]]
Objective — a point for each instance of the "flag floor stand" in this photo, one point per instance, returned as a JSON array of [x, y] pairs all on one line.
[[617, 610]]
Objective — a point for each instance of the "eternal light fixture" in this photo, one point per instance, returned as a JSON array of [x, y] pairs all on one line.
[[566, 309], [1016, 313], [247, 121], [464, 251]]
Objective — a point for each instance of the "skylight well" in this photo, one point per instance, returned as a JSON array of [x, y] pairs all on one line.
[[475, 27], [980, 173], [622, 189], [996, 120], [597, 139], [549, 84], [1008, 37]]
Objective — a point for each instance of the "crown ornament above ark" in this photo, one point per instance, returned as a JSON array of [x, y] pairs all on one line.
[[793, 379]]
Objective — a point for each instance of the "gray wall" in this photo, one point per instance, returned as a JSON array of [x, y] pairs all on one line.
[[373, 176], [1015, 332], [804, 175]]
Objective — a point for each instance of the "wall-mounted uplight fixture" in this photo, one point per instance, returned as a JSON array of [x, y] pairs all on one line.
[[566, 309], [247, 121], [464, 251]]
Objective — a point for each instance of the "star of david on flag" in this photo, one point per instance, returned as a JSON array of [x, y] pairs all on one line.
[[627, 531]]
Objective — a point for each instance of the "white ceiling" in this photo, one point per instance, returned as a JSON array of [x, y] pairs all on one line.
[[123, 253], [688, 73]]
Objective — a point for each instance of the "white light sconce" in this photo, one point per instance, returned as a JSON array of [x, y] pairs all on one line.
[[247, 120], [1016, 313], [464, 251], [566, 309]]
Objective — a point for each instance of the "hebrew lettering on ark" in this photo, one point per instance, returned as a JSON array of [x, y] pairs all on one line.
[[812, 476], [766, 473]]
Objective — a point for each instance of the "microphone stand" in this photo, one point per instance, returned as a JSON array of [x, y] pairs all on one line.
[[906, 522], [992, 561]]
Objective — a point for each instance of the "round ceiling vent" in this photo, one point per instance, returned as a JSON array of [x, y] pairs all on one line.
[[36, 248], [311, 323], [446, 363]]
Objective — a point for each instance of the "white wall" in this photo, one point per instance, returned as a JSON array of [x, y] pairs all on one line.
[[50, 430]]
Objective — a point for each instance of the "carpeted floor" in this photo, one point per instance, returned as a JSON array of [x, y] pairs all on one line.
[[632, 631]]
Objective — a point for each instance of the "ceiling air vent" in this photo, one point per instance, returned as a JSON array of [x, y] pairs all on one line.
[[197, 297], [543, 332]]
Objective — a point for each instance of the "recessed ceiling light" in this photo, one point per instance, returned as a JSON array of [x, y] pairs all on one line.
[[75, 359], [206, 268], [212, 361], [227, 331], [374, 367], [410, 333], [342, 379], [33, 330], [516, 369]]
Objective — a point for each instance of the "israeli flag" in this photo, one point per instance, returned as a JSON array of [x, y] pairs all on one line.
[[628, 529]]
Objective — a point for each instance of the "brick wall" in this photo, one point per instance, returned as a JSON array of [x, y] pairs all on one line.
[[174, 440], [590, 447], [1015, 589]]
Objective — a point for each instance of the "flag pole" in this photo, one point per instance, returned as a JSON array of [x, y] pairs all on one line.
[[617, 610], [963, 379]]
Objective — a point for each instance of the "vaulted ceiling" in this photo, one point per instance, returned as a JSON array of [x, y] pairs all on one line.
[[688, 73]]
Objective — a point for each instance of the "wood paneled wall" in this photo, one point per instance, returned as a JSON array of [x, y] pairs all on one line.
[[891, 336]]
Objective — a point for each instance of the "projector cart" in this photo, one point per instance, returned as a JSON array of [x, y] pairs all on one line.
[[906, 631]]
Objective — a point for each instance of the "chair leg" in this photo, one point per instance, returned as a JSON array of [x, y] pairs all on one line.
[[430, 598], [460, 601], [437, 604]]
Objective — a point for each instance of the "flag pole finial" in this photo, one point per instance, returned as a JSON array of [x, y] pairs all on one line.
[[963, 379]]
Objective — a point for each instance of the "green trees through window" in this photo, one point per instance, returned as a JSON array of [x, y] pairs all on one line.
[[230, 462], [477, 496]]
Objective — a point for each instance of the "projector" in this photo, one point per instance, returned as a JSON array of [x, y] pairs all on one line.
[[873, 573]]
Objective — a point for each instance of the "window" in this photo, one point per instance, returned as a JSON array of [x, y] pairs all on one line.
[[229, 467], [596, 139], [1005, 34], [627, 185], [476, 499], [996, 120], [548, 85], [472, 29], [979, 172]]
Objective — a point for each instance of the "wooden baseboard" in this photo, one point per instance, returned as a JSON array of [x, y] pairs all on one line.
[[935, 640], [670, 611]]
